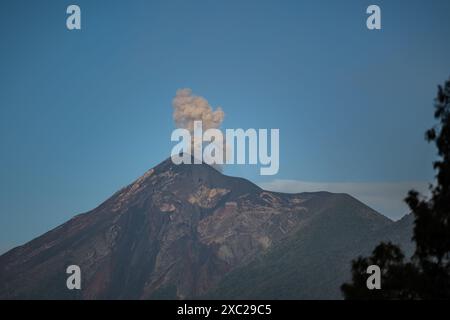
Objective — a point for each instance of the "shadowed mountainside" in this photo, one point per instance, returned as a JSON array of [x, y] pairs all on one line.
[[178, 230]]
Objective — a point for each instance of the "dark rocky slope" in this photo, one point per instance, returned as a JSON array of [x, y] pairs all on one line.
[[178, 230]]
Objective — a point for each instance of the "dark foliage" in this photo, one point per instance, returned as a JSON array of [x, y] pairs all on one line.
[[427, 275]]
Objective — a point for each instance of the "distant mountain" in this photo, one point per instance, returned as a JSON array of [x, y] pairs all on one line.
[[188, 231]]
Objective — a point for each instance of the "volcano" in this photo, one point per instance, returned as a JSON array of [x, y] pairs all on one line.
[[188, 231]]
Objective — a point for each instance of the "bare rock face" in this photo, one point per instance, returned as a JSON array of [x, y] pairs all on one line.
[[173, 233]]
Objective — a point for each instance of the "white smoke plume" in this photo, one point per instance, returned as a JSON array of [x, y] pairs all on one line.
[[189, 108]]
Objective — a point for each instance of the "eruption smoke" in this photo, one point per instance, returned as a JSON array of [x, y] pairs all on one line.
[[189, 108]]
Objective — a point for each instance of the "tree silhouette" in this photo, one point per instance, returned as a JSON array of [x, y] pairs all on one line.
[[427, 274]]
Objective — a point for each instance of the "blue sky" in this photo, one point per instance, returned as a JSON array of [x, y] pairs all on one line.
[[83, 113]]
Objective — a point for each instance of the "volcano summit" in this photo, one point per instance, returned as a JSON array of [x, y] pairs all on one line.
[[188, 231]]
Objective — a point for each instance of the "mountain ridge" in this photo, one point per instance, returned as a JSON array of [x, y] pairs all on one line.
[[174, 233]]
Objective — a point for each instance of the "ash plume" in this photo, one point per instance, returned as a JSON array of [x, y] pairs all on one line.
[[189, 108]]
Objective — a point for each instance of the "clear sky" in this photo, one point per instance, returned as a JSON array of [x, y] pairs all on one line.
[[83, 113]]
